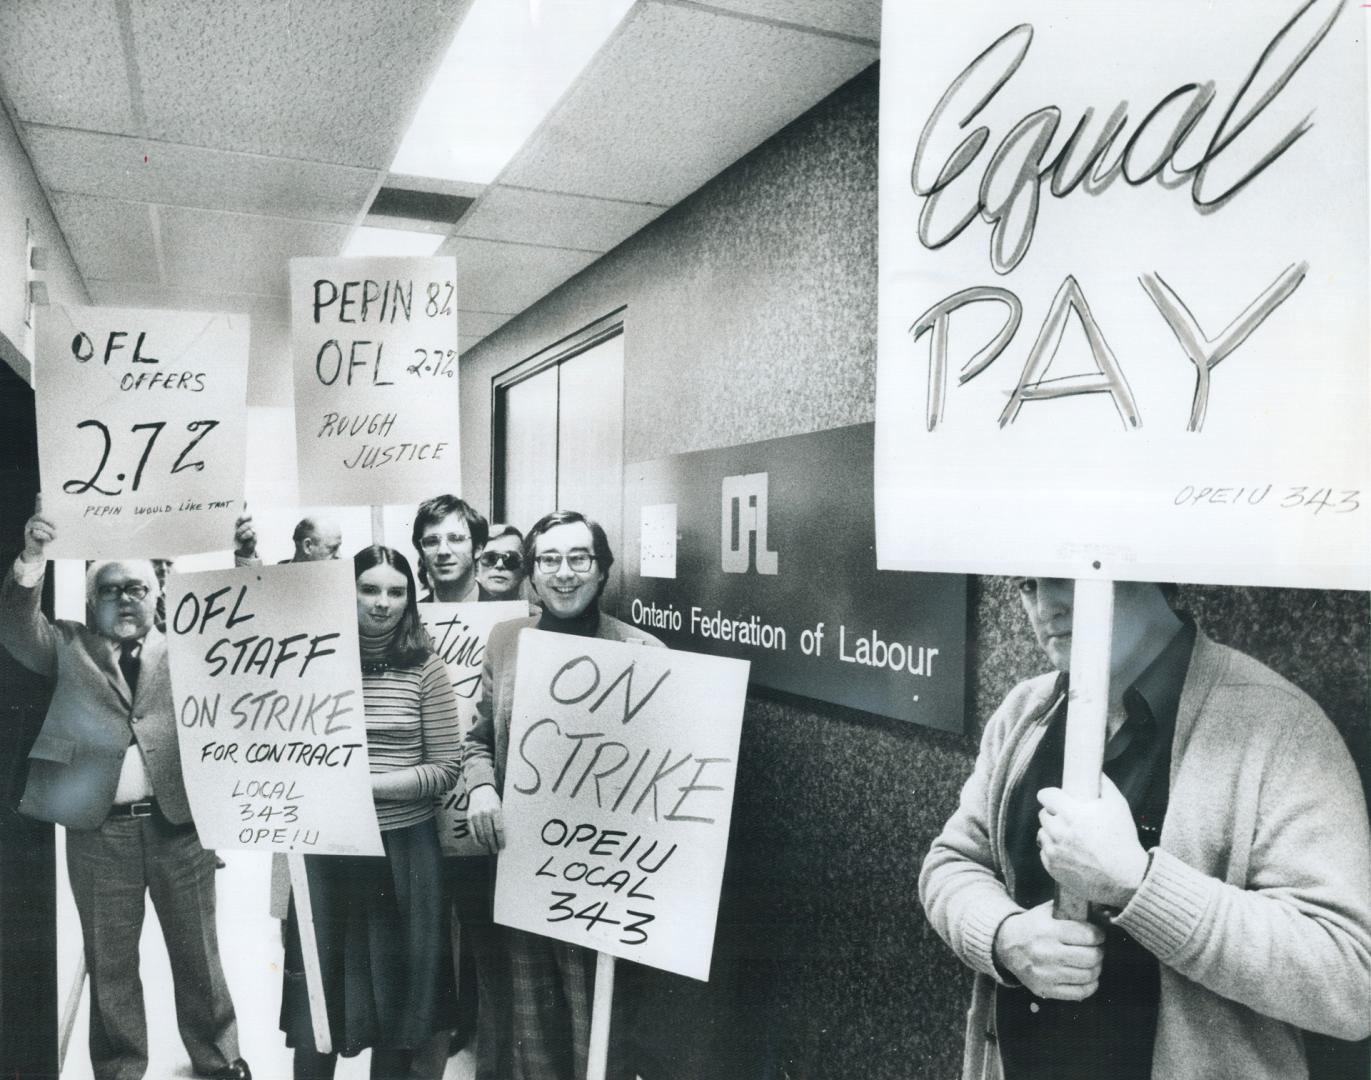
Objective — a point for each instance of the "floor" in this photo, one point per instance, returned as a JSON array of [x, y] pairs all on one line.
[[250, 942]]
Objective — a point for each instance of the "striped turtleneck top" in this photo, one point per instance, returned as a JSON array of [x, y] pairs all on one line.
[[411, 716]]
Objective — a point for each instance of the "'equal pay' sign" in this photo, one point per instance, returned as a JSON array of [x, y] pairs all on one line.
[[141, 429]]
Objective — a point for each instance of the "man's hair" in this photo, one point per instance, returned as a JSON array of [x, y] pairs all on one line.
[[498, 531], [411, 644], [143, 567], [604, 558], [431, 511]]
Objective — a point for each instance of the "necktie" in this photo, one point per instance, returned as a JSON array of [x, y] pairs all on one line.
[[129, 663]]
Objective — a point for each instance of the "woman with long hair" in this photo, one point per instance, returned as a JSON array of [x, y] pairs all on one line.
[[381, 923]]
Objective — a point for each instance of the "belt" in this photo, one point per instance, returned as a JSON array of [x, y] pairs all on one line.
[[145, 808]]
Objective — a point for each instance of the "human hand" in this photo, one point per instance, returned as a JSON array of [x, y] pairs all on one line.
[[1055, 958], [38, 533], [244, 537], [1090, 846], [486, 818]]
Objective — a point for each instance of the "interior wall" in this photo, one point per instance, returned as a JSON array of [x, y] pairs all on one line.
[[751, 314], [21, 198]]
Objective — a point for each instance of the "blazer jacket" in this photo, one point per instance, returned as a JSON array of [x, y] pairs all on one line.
[[75, 761]]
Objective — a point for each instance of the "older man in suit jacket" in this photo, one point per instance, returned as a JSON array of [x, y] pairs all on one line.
[[105, 765]]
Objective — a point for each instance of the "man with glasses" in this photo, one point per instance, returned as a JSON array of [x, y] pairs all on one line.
[[105, 765], [448, 536], [552, 981], [500, 570]]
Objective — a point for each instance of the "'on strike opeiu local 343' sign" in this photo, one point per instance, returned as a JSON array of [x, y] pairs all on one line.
[[618, 796], [267, 686], [374, 347], [141, 429], [1123, 291]]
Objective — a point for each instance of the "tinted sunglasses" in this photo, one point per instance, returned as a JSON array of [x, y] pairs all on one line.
[[509, 560]]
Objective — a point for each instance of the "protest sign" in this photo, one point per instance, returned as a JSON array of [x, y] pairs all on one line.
[[141, 429], [1084, 208], [459, 633], [374, 344], [618, 795], [267, 687]]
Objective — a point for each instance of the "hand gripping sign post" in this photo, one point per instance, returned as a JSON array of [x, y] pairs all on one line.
[[1123, 300], [141, 428], [617, 801], [268, 696], [459, 633], [374, 343]]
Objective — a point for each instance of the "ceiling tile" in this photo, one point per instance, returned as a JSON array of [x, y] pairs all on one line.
[[678, 95], [509, 277], [859, 18], [323, 80], [117, 293], [210, 250], [108, 238], [62, 62], [124, 167], [555, 220]]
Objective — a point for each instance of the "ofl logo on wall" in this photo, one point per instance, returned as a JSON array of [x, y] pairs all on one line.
[[744, 516]]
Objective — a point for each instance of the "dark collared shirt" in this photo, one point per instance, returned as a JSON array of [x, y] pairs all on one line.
[[1111, 1033]]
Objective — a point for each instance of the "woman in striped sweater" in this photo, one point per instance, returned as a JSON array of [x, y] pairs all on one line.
[[381, 923]]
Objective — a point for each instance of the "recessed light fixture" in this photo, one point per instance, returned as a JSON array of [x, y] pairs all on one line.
[[369, 241], [507, 66]]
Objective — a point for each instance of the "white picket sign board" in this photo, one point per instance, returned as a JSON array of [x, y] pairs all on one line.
[[1142, 357], [459, 633], [374, 349], [267, 686], [142, 425], [618, 796]]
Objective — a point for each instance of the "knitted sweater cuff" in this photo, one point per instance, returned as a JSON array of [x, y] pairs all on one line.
[[979, 928], [1166, 909]]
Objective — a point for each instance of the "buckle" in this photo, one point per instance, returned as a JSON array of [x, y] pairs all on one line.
[[139, 809]]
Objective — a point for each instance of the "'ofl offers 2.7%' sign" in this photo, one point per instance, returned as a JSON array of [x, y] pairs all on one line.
[[267, 688], [374, 347], [1123, 291], [618, 797], [141, 429]]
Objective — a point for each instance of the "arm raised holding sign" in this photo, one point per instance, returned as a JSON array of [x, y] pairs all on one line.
[[1229, 860]]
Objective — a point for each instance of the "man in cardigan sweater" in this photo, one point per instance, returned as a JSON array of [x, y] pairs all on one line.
[[1228, 863], [106, 766], [552, 981]]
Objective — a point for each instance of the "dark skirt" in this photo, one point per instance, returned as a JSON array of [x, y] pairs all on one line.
[[382, 928]]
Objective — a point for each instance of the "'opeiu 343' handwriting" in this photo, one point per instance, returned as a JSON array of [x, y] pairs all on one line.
[[1010, 188]]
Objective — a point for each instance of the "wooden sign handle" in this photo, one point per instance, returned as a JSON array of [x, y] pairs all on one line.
[[309, 950], [1092, 636], [597, 1061]]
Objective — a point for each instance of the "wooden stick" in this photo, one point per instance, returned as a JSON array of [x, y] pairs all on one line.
[[69, 1009], [597, 1060], [309, 949], [1092, 636]]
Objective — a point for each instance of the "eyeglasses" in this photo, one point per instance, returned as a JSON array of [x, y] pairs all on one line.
[[134, 590], [509, 560], [434, 542], [550, 563]]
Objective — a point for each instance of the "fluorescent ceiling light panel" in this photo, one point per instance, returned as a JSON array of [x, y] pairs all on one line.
[[508, 65], [366, 240]]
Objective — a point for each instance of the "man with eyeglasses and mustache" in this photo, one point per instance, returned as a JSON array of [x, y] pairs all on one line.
[[106, 766], [1227, 863], [552, 981]]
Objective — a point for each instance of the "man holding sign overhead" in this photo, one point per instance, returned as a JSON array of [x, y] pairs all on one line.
[[1227, 862], [106, 766], [552, 981]]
